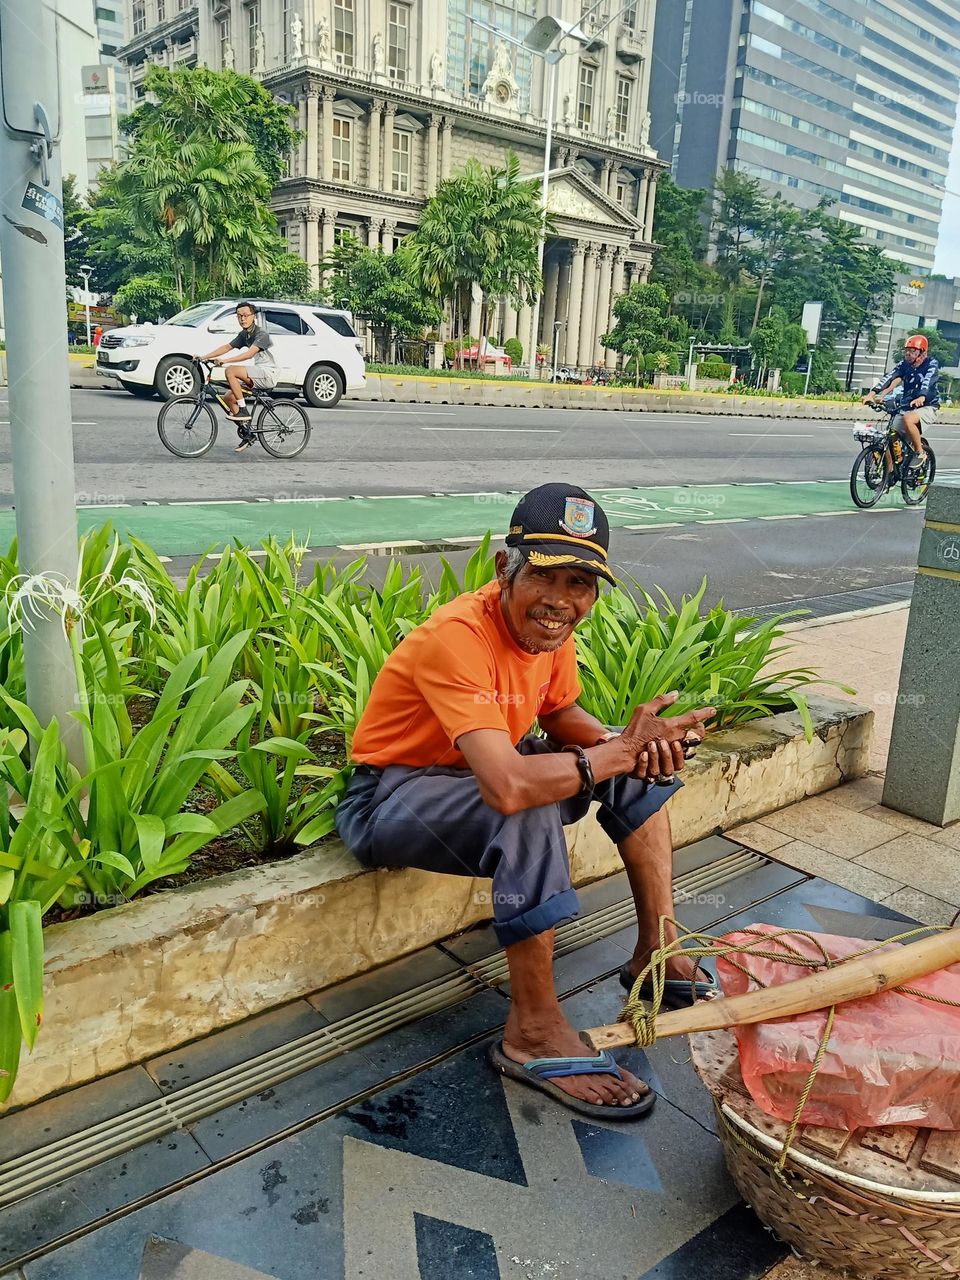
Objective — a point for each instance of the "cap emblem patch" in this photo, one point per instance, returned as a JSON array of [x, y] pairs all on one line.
[[578, 517]]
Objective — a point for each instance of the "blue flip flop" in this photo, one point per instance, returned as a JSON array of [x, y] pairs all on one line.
[[678, 993], [539, 1072]]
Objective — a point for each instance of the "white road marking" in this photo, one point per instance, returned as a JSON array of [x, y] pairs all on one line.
[[409, 413], [763, 435], [207, 502], [379, 497], [540, 431]]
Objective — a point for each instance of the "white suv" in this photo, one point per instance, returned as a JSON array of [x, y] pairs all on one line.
[[316, 349]]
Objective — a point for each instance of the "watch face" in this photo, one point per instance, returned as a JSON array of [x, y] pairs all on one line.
[[503, 91]]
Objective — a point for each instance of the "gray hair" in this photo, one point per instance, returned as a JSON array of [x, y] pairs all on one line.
[[515, 562]]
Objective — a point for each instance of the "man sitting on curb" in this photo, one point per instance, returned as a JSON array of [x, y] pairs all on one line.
[[450, 779]]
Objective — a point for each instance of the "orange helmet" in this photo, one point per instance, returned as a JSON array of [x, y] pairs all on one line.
[[917, 343]]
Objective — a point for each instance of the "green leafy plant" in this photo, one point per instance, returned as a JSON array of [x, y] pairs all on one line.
[[631, 650]]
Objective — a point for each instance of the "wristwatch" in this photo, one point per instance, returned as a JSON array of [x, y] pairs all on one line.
[[584, 769]]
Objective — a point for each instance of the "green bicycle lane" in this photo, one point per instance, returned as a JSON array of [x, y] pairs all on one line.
[[189, 528]]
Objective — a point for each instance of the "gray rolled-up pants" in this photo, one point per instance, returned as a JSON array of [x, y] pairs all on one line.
[[435, 819]]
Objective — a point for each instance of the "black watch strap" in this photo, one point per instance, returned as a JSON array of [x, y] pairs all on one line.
[[584, 768]]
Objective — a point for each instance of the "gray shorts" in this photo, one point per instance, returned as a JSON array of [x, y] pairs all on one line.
[[927, 414], [264, 378]]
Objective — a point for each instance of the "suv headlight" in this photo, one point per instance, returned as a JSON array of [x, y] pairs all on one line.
[[136, 342]]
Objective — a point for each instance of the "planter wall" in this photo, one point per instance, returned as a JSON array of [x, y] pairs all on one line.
[[138, 980]]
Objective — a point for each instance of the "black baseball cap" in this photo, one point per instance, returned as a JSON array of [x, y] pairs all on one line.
[[558, 525]]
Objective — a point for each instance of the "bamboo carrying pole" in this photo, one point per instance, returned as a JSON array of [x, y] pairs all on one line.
[[849, 980]]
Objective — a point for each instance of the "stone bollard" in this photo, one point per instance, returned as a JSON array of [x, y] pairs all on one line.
[[923, 767]]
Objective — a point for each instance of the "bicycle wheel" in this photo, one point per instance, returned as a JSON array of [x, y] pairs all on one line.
[[283, 429], [915, 484], [187, 426], [868, 479]]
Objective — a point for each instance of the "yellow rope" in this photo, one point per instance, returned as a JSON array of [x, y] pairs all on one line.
[[642, 1016]]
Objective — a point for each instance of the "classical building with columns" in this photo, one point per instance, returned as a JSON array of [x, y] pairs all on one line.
[[393, 96]]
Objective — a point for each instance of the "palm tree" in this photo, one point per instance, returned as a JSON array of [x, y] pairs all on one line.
[[207, 199], [482, 228]]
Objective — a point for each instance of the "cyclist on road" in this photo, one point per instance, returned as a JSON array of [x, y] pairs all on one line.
[[253, 344], [917, 372]]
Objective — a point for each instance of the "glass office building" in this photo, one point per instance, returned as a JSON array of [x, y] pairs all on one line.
[[853, 100]]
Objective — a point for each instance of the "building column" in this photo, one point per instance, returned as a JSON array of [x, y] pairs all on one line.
[[509, 322], [433, 157], [551, 286], [326, 141], [373, 233], [603, 301], [607, 177], [312, 253], [473, 324], [329, 221], [389, 227], [575, 303], [386, 174], [524, 321], [446, 148], [374, 129], [648, 211], [616, 284], [300, 170], [312, 141], [588, 323], [642, 198]]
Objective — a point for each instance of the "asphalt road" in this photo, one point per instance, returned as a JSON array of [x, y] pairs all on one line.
[[372, 450]]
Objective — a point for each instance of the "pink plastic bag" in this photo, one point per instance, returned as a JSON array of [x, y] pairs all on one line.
[[892, 1058]]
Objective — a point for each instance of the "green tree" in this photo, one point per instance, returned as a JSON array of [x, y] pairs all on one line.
[[738, 204], [482, 228], [205, 201], [777, 343], [147, 298], [76, 247], [643, 328], [681, 238], [382, 289], [778, 242], [286, 277], [943, 349], [195, 102]]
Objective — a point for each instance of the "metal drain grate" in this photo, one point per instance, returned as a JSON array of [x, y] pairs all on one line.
[[50, 1164]]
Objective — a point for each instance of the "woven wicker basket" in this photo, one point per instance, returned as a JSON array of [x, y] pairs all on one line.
[[852, 1223]]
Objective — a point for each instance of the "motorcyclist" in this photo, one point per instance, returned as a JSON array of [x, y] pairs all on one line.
[[917, 372]]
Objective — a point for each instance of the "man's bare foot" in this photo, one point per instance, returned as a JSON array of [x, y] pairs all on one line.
[[553, 1037], [680, 967]]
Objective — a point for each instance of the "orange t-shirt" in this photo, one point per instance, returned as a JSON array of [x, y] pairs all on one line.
[[460, 670]]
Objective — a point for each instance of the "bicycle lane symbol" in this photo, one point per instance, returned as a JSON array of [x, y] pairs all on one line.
[[636, 507]]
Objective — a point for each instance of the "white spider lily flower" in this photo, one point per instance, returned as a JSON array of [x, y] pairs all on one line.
[[33, 597]]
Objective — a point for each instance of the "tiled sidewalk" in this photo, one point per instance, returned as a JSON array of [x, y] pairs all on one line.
[[847, 836]]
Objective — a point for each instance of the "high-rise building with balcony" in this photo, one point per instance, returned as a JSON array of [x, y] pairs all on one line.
[[854, 101], [392, 96]]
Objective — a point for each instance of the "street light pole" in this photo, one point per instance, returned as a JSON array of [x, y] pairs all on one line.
[[86, 272], [551, 59], [34, 286]]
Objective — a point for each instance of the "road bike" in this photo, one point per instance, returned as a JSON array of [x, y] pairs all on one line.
[[884, 461], [187, 425]]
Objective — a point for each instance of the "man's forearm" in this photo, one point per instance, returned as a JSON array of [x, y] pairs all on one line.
[[573, 726]]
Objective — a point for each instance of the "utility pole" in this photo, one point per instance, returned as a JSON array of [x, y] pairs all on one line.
[[34, 294]]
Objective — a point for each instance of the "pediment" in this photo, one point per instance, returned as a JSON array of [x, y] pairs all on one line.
[[574, 198]]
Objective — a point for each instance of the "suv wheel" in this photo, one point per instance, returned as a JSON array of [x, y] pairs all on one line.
[[323, 386], [176, 376]]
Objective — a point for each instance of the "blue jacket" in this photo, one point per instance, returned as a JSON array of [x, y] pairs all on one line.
[[918, 380]]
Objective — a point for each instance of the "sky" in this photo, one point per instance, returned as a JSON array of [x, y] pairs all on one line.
[[947, 260]]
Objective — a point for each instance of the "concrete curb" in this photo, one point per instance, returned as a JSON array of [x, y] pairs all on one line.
[[544, 395], [141, 979]]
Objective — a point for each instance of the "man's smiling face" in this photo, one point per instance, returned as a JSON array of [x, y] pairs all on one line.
[[542, 606]]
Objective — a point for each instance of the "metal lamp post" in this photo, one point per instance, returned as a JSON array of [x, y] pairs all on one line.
[[545, 39], [87, 272]]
